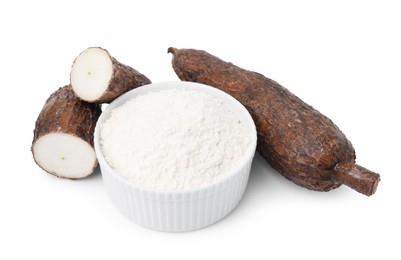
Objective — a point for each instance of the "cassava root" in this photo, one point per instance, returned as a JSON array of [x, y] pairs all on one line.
[[63, 137], [98, 77], [294, 138]]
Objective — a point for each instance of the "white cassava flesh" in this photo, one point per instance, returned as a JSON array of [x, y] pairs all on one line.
[[91, 73], [99, 78], [64, 155]]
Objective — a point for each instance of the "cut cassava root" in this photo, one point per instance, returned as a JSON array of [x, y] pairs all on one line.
[[63, 136], [98, 77], [294, 138]]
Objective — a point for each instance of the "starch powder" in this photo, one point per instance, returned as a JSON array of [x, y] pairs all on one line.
[[173, 140]]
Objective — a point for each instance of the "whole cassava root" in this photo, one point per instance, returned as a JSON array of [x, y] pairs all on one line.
[[294, 138], [63, 137], [98, 77]]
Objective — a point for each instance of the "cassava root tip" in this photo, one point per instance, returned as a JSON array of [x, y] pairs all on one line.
[[357, 177], [171, 50]]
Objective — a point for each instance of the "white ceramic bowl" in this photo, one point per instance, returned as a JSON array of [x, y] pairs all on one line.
[[177, 211]]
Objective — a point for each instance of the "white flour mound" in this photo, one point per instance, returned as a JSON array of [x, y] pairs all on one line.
[[173, 140]]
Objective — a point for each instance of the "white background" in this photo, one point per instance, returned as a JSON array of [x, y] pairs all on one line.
[[342, 57]]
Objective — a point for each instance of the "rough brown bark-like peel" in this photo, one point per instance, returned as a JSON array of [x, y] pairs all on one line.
[[65, 113], [124, 79], [293, 137]]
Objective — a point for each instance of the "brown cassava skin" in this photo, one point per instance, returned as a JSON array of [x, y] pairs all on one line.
[[293, 137], [124, 79], [64, 112]]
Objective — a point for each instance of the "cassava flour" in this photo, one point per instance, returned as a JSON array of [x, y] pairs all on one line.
[[173, 140]]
